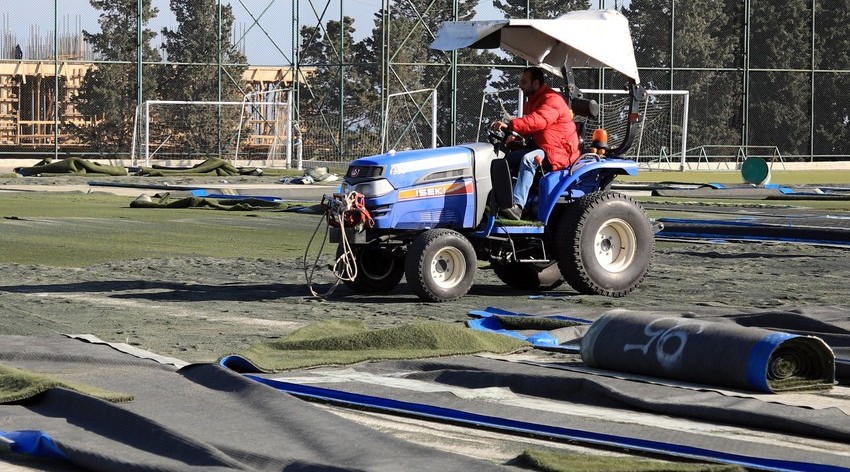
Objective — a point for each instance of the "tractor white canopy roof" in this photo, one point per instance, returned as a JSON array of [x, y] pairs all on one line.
[[593, 38]]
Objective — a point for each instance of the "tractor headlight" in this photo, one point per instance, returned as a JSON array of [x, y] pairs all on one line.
[[370, 189]]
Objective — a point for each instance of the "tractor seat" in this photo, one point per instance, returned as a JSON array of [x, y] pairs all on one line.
[[587, 110]]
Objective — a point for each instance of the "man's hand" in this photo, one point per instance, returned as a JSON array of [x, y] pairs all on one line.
[[498, 126]]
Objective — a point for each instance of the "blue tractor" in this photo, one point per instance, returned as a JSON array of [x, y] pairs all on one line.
[[433, 212]]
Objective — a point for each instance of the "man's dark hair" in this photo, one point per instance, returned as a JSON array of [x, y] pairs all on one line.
[[536, 74]]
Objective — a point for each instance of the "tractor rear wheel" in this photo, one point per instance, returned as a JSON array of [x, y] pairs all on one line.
[[440, 265], [604, 244]]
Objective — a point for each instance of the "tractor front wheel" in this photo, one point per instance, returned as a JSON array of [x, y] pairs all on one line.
[[440, 265]]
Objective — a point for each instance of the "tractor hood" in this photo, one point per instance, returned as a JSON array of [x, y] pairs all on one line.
[[592, 38]]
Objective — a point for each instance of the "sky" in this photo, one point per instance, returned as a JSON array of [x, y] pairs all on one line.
[[267, 41]]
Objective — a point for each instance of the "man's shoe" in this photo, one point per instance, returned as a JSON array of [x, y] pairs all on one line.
[[512, 213]]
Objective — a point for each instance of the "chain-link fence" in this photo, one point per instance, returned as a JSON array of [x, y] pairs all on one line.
[[757, 75]]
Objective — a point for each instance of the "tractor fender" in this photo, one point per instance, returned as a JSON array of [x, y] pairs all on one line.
[[577, 181]]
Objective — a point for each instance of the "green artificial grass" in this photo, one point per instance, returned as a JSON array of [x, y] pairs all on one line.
[[549, 461], [215, 165], [77, 229], [17, 385], [71, 165], [349, 342]]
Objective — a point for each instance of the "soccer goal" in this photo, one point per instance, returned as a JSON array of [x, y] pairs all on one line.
[[662, 136], [255, 131]]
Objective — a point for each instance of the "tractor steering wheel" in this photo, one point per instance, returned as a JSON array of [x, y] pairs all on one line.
[[505, 142]]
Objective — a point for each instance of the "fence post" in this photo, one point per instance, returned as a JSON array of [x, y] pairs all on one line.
[[289, 131], [434, 119], [685, 131]]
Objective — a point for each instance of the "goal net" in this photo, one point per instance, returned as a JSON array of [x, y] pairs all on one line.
[[661, 135], [254, 131]]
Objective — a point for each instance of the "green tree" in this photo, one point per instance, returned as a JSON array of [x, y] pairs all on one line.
[[339, 111], [205, 65], [540, 9], [650, 22], [780, 98], [401, 38], [108, 93], [705, 40], [831, 108]]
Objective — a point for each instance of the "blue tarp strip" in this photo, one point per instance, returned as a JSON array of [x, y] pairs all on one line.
[[238, 364], [487, 320], [205, 193], [752, 223], [33, 443], [504, 424], [493, 311], [666, 234]]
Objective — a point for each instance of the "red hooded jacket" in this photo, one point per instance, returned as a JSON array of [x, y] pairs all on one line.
[[549, 121]]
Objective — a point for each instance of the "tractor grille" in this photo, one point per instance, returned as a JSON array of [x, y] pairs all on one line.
[[438, 216], [364, 172]]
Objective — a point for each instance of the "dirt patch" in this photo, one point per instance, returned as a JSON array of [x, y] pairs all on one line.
[[201, 308]]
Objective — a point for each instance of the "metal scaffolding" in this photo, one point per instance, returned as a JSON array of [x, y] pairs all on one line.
[[335, 125]]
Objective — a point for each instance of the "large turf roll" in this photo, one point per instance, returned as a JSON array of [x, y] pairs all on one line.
[[713, 353], [71, 165]]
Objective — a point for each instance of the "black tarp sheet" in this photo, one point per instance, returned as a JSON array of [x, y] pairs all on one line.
[[205, 417]]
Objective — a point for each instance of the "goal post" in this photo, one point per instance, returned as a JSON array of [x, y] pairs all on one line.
[[258, 128], [405, 115]]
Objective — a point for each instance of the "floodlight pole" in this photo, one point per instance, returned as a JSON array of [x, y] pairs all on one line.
[[220, 39], [139, 65]]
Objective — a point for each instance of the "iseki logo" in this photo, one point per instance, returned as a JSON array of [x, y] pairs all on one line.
[[431, 192]]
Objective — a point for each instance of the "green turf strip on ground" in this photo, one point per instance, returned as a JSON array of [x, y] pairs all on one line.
[[349, 342], [17, 385], [241, 204], [777, 176], [549, 461]]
